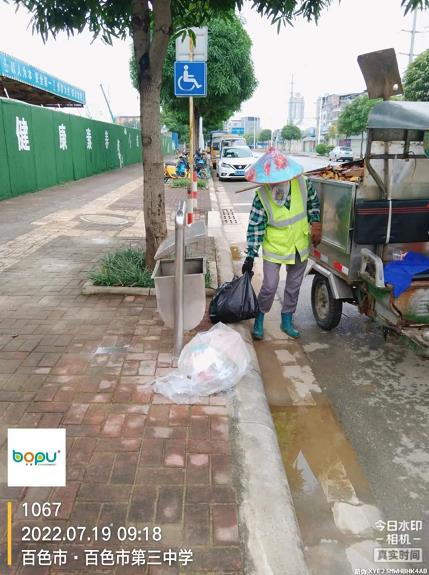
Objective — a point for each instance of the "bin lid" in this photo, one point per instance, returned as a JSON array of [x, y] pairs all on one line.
[[193, 233], [400, 115]]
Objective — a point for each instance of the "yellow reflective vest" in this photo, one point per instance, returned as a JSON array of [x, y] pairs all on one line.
[[288, 230]]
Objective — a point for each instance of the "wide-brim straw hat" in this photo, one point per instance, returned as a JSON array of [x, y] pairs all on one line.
[[272, 168]]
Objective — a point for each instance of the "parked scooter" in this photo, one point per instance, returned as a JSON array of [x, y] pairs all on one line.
[[200, 164], [178, 170]]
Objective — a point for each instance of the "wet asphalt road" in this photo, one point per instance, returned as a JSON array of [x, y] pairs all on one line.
[[379, 392]]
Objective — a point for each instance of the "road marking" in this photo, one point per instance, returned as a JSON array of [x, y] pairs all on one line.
[[242, 203]]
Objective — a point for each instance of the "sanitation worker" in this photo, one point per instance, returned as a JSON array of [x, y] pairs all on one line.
[[285, 218]]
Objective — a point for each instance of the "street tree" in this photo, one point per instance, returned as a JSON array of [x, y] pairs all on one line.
[[230, 75], [265, 135], [251, 138], [175, 124], [332, 132], [416, 79], [354, 118], [151, 24], [290, 132]]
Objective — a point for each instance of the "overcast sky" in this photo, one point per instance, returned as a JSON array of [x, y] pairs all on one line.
[[321, 58]]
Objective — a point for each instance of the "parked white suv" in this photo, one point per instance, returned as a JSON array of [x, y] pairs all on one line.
[[341, 153]]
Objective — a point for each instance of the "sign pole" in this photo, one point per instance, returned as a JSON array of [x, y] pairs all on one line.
[[190, 79], [192, 175], [191, 161]]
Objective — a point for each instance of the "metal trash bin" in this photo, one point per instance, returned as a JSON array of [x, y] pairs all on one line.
[[194, 291]]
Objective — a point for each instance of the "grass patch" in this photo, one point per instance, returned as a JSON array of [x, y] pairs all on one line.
[[208, 277], [184, 182], [125, 267]]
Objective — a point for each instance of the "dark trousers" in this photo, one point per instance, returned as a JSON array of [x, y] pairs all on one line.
[[294, 277]]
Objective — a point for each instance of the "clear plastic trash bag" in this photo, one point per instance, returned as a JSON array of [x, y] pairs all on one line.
[[213, 361]]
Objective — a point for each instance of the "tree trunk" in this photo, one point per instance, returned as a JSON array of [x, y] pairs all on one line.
[[150, 48]]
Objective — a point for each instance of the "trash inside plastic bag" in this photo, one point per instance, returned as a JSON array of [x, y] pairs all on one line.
[[234, 301], [213, 361]]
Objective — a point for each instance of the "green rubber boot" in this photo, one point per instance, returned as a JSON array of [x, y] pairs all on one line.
[[258, 327], [287, 325]]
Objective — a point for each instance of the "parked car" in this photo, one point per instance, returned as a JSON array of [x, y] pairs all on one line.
[[234, 161], [341, 153], [232, 141]]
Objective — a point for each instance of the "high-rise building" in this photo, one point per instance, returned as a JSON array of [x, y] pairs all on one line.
[[296, 109], [329, 107]]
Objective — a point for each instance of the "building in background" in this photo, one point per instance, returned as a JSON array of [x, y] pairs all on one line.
[[251, 124], [296, 109], [309, 137], [233, 125], [329, 107], [244, 125]]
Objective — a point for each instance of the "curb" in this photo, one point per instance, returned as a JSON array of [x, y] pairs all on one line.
[[89, 288], [267, 515]]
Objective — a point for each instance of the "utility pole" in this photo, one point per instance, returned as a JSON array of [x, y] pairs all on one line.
[[413, 33], [107, 102], [413, 37], [319, 122]]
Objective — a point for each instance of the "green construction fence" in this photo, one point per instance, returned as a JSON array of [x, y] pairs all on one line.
[[40, 147]]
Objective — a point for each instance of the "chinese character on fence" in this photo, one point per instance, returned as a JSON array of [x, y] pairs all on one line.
[[22, 134], [120, 158], [62, 134], [88, 139], [106, 139]]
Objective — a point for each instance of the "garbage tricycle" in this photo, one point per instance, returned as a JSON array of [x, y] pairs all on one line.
[[374, 212]]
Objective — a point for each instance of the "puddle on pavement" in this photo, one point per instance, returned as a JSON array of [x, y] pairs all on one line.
[[333, 502]]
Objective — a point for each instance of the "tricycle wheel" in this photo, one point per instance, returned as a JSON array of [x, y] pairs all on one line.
[[326, 309]]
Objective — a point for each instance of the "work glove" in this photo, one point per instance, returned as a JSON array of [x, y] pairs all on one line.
[[316, 233], [247, 265]]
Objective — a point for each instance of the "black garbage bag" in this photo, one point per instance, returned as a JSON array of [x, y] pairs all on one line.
[[234, 301]]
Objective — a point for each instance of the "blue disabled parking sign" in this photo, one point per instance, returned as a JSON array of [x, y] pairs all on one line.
[[190, 78]]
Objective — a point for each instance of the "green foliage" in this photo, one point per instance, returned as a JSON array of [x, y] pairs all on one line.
[[184, 182], [291, 132], [333, 132], [250, 139], [125, 267], [107, 18], [416, 80], [354, 118], [175, 124], [322, 149], [208, 277], [265, 135], [230, 75]]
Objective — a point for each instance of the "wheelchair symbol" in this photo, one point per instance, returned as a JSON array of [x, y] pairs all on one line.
[[188, 78]]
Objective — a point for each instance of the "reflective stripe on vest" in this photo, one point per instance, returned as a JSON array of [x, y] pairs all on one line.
[[287, 230], [289, 257], [265, 199]]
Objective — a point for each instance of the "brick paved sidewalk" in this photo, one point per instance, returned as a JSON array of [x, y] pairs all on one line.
[[84, 363]]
